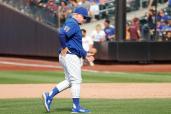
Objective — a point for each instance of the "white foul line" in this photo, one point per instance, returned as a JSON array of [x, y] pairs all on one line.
[[44, 66]]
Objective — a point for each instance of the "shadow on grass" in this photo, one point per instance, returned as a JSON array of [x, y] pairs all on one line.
[[61, 110]]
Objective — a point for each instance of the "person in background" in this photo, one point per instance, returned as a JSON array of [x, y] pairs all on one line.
[[98, 35], [160, 25], [127, 32], [168, 35], [169, 3], [109, 30], [94, 11], [148, 28], [85, 4], [72, 5], [167, 30], [63, 11], [87, 43], [162, 16], [135, 30], [151, 23]]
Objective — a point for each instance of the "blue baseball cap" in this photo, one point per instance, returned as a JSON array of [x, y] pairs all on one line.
[[83, 11]]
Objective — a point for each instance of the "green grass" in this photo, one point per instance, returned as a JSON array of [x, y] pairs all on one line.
[[34, 106], [34, 77]]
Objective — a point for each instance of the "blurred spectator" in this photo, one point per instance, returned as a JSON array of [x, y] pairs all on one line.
[[128, 37], [98, 35], [148, 28], [51, 5], [169, 7], [135, 30], [72, 5], [85, 4], [63, 11], [169, 3], [109, 30], [88, 44], [162, 15], [160, 26], [151, 23], [94, 11], [168, 36], [166, 30]]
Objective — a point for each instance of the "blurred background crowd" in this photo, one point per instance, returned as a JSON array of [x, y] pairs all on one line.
[[154, 25]]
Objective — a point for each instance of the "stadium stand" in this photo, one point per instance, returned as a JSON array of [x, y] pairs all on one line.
[[54, 13], [29, 14]]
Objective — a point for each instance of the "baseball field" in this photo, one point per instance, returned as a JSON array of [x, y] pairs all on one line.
[[106, 89]]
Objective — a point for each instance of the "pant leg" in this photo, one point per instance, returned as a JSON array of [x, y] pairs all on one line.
[[72, 65]]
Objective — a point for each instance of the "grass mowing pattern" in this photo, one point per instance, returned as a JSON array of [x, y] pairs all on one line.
[[34, 77], [34, 106]]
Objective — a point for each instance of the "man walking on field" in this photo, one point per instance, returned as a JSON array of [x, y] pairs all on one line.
[[70, 55]]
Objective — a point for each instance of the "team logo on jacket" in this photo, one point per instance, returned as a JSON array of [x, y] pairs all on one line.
[[66, 28]]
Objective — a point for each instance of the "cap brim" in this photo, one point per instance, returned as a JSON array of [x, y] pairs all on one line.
[[87, 17]]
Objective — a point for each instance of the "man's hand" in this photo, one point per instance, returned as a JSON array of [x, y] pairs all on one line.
[[64, 51], [90, 58]]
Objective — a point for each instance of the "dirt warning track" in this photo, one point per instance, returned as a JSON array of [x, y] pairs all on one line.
[[89, 90], [7, 63]]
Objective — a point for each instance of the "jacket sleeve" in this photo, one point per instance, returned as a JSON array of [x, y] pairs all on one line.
[[62, 38], [84, 54]]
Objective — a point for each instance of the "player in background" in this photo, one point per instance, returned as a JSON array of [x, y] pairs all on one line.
[[70, 56]]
